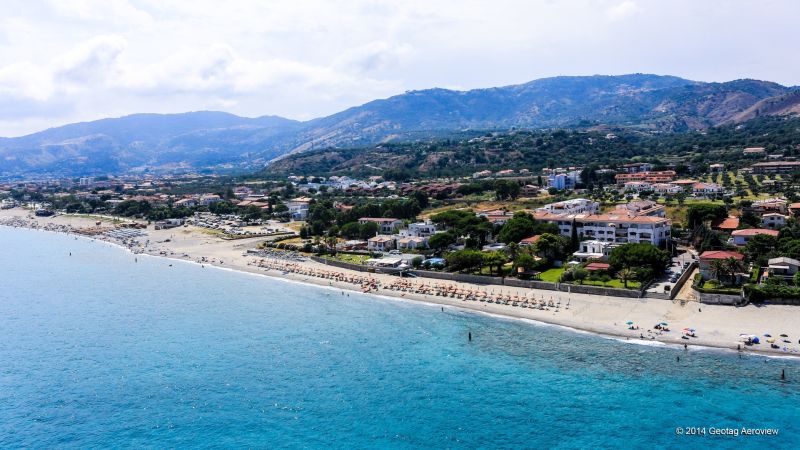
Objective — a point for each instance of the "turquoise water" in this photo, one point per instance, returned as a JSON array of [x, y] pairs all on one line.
[[97, 350]]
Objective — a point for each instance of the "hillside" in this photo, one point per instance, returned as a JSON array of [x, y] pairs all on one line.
[[467, 153], [216, 141]]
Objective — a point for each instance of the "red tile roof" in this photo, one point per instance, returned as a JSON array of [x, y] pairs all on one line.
[[530, 240], [754, 232], [597, 266], [729, 223], [721, 254]]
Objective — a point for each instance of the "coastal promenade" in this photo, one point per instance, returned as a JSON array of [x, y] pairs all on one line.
[[715, 325]]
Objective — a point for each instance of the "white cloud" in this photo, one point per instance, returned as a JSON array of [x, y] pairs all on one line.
[[69, 60], [623, 10]]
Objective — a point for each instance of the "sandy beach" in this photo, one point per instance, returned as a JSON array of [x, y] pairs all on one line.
[[716, 326]]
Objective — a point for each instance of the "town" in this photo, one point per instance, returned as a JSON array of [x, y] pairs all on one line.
[[727, 236]]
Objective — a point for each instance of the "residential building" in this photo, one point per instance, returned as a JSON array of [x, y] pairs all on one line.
[[754, 151], [727, 224], [572, 206], [706, 189], [772, 167], [530, 240], [773, 221], [386, 225], [641, 208], [419, 229], [708, 258], [638, 186], [740, 237], [616, 228], [564, 181], [411, 242], [667, 188], [298, 207], [783, 267], [593, 250], [636, 167], [207, 199], [769, 205], [663, 176], [381, 243]]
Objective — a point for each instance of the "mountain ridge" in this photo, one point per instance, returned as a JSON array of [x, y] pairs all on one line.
[[214, 140]]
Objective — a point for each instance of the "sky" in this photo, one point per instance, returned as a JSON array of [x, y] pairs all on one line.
[[64, 61]]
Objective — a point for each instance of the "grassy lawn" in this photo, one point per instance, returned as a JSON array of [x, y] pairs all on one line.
[[552, 275], [348, 258]]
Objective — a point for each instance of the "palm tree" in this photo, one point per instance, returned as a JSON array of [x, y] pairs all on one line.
[[625, 274], [732, 267], [718, 269]]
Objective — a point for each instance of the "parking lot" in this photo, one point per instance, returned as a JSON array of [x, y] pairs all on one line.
[[680, 263]]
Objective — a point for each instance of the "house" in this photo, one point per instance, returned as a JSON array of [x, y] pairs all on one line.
[[636, 167], [386, 225], [207, 199], [168, 223], [740, 237], [773, 221], [411, 242], [709, 256], [419, 229], [719, 167], [685, 185], [754, 151], [794, 208], [783, 267], [593, 250], [727, 224], [641, 208], [186, 203], [530, 240], [638, 186], [381, 243], [663, 176], [706, 189], [298, 207], [616, 228], [769, 205], [573, 206], [772, 167], [564, 181], [667, 188]]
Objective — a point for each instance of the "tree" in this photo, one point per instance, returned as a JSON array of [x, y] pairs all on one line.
[[699, 213], [350, 230], [626, 274], [732, 266], [717, 269], [549, 245], [633, 256], [464, 260], [796, 279], [494, 259], [760, 247], [441, 241], [367, 230], [579, 274]]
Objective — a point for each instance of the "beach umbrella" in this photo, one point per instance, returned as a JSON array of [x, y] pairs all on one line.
[[630, 322], [767, 335], [664, 324], [784, 335], [771, 340]]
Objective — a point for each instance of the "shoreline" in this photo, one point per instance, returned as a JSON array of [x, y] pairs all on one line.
[[580, 322]]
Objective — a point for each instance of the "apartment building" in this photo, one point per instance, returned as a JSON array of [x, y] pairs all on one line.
[[616, 228]]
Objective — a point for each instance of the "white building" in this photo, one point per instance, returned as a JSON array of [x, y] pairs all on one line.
[[773, 221], [573, 206], [615, 228], [386, 225], [667, 188], [419, 229], [638, 186], [207, 199], [564, 181], [411, 242], [298, 207], [641, 208], [381, 243], [706, 189], [594, 250]]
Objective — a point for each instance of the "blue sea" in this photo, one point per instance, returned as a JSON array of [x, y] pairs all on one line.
[[98, 350]]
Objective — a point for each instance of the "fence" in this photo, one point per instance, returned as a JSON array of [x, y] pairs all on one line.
[[495, 281]]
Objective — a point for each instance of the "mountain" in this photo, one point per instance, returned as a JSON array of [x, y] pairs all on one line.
[[214, 140], [161, 141]]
